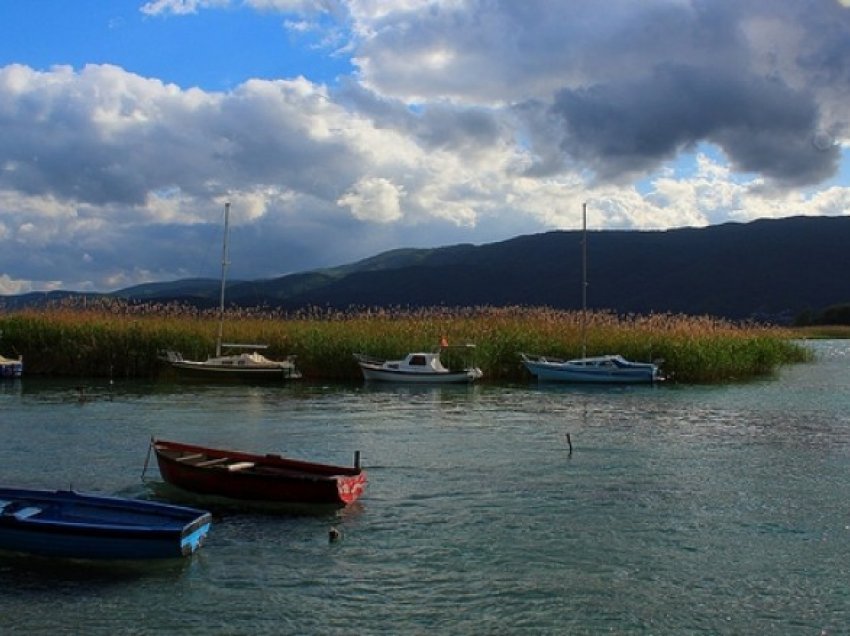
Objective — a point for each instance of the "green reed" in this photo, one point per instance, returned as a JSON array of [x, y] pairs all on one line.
[[118, 339]]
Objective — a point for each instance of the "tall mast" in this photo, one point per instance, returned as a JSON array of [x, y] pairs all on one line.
[[584, 280], [224, 264]]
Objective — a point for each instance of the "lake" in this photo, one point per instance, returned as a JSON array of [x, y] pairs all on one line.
[[681, 509]]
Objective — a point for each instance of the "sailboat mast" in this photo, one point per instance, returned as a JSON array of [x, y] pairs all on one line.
[[223, 279], [584, 280]]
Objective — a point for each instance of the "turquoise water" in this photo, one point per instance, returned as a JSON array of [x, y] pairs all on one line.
[[681, 509]]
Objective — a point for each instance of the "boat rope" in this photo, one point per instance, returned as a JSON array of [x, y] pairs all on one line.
[[147, 459]]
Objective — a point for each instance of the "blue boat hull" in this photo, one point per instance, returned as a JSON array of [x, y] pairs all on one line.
[[74, 525]]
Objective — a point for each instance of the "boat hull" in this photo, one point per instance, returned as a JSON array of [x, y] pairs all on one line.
[[75, 525], [377, 374], [205, 371], [253, 477]]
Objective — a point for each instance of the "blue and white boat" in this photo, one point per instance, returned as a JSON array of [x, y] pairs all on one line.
[[68, 524], [607, 369]]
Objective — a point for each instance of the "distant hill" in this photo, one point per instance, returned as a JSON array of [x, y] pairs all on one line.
[[40, 299], [766, 269]]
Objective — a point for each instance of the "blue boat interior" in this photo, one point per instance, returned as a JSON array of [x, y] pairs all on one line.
[[80, 512]]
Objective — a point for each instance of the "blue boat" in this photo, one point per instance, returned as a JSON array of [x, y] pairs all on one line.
[[609, 369], [68, 524]]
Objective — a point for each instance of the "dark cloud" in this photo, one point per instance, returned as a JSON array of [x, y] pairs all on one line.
[[763, 125], [634, 83], [439, 125]]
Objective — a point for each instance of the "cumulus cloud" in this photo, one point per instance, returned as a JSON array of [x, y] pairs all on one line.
[[629, 85], [374, 199], [97, 156]]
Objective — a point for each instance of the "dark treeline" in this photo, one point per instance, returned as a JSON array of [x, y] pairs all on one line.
[[832, 315]]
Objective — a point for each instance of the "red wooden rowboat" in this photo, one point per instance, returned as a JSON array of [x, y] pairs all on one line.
[[254, 477]]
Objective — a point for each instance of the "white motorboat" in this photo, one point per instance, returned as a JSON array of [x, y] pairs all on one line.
[[420, 368]]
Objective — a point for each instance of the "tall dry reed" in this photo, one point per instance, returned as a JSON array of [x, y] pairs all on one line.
[[121, 339]]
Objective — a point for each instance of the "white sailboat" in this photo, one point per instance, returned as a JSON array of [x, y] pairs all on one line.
[[603, 369], [248, 364], [11, 367]]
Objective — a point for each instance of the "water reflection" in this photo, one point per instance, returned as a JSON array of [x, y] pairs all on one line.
[[22, 575]]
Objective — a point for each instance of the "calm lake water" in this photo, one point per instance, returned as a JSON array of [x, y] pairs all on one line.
[[714, 509]]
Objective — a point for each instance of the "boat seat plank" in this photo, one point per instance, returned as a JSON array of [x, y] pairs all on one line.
[[213, 462], [240, 466], [189, 458]]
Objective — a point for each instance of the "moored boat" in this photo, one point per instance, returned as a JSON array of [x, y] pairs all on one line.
[[600, 369], [68, 524], [11, 368], [608, 369], [246, 366], [237, 366], [255, 477], [421, 367]]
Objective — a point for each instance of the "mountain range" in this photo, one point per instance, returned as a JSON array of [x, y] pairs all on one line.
[[767, 269]]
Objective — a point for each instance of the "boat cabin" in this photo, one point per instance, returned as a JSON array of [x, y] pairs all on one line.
[[426, 362]]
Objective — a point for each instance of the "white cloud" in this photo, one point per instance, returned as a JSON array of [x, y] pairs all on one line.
[[10, 286], [374, 199], [180, 7], [295, 6]]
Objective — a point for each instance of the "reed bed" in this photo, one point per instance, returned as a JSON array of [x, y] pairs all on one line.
[[115, 338], [820, 332]]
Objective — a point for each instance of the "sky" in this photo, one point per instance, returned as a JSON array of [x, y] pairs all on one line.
[[340, 129]]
